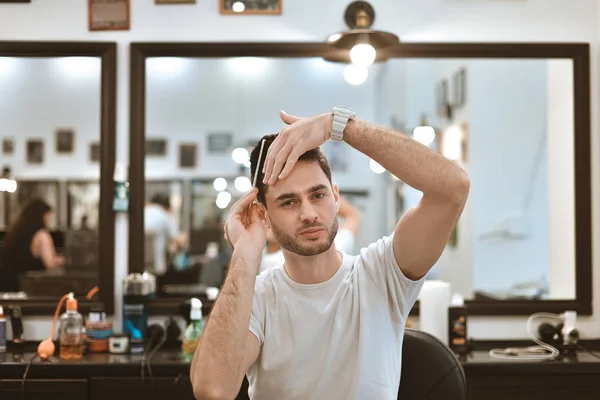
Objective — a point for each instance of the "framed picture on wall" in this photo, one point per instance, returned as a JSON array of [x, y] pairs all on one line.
[[255, 7], [8, 146], [35, 151], [187, 155], [219, 142], [443, 107], [65, 140], [109, 15], [459, 83], [156, 147], [95, 152]]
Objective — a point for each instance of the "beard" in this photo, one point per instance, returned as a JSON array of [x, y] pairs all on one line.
[[292, 244]]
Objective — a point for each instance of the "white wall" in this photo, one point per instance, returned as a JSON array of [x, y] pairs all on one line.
[[426, 20], [40, 95]]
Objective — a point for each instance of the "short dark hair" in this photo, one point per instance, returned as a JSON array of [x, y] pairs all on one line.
[[312, 155], [161, 199]]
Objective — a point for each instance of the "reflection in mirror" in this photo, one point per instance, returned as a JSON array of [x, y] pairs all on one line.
[[49, 217], [508, 122]]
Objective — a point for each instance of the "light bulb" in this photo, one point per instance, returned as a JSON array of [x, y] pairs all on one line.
[[363, 54], [242, 183], [238, 7], [375, 167], [220, 184], [240, 155], [356, 74], [451, 147], [11, 186], [424, 135], [223, 199]]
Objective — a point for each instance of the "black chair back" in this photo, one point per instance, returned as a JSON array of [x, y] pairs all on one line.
[[430, 370]]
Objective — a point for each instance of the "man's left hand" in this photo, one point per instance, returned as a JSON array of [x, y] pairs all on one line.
[[302, 135]]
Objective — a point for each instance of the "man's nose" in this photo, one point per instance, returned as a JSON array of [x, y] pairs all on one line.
[[308, 212]]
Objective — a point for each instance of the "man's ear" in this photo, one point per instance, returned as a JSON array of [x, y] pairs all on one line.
[[336, 196], [263, 215]]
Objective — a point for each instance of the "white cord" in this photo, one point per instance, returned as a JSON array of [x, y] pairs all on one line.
[[543, 351]]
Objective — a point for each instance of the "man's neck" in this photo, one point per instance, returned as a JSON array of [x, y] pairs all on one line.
[[313, 269]]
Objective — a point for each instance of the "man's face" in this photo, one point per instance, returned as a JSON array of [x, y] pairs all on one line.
[[302, 210]]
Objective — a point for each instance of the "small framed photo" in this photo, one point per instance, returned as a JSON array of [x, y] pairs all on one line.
[[251, 7], [8, 146], [156, 147], [187, 155], [109, 15], [65, 140], [219, 142], [35, 151], [95, 152], [459, 88]]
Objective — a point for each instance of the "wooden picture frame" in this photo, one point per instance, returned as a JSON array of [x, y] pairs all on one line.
[[109, 15], [156, 147], [188, 155], [95, 152], [219, 142], [251, 7], [174, 1], [64, 140], [35, 151], [8, 146]]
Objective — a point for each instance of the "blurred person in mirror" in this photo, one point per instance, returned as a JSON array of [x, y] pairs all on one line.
[[345, 238], [159, 222], [28, 246], [323, 314]]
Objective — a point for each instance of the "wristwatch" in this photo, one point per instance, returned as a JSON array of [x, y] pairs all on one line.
[[341, 116]]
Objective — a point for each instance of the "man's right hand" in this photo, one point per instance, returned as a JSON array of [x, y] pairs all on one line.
[[244, 226]]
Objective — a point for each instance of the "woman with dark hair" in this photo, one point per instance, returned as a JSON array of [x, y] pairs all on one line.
[[28, 246]]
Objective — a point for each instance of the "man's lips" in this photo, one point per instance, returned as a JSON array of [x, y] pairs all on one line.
[[311, 230]]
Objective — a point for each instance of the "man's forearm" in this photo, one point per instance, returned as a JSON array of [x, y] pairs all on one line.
[[218, 359], [409, 160]]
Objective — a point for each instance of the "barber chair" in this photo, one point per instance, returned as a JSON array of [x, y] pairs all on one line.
[[430, 370]]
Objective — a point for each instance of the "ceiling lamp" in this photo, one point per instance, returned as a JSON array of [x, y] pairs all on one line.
[[362, 42]]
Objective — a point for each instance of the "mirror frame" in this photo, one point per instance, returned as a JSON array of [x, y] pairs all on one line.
[[579, 53], [107, 52]]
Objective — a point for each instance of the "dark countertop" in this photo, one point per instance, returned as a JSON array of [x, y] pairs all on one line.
[[163, 363], [172, 363], [479, 363]]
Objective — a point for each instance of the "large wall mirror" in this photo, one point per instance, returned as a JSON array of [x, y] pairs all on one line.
[[57, 156], [515, 116]]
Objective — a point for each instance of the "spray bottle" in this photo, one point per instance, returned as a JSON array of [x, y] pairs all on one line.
[[71, 331], [194, 329]]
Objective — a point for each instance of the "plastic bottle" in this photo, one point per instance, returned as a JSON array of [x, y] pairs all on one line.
[[457, 323], [71, 332], [194, 329], [2, 331]]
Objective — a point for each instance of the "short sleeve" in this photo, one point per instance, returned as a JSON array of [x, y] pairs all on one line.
[[344, 241], [380, 264], [257, 318]]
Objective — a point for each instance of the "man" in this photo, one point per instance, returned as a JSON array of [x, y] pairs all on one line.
[[158, 222], [344, 240], [325, 325]]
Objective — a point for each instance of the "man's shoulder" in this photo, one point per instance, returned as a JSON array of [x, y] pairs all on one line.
[[268, 279]]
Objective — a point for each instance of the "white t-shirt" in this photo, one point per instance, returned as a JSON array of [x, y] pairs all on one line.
[[339, 339], [158, 221], [344, 242]]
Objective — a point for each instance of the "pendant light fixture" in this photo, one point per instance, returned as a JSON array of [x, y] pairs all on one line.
[[361, 41]]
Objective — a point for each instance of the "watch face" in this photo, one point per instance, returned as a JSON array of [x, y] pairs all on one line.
[[344, 111]]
